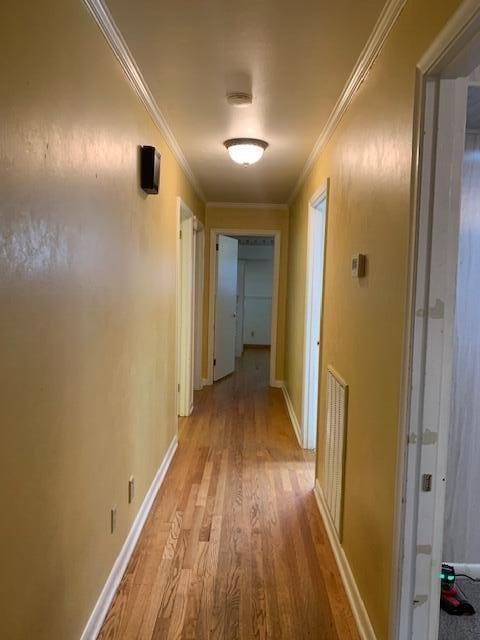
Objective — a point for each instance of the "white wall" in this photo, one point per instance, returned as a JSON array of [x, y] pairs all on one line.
[[462, 514], [257, 293], [240, 307], [255, 252]]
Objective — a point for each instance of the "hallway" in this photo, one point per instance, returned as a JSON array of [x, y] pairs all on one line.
[[234, 546]]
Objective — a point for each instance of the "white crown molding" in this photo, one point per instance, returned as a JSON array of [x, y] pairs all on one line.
[[109, 590], [454, 31], [246, 205], [382, 28], [116, 41]]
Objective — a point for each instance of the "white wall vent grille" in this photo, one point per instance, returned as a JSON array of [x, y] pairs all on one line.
[[337, 396]]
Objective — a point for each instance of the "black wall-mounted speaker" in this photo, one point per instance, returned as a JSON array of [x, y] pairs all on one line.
[[150, 169]]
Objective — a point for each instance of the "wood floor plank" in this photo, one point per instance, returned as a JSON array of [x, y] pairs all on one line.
[[234, 547]]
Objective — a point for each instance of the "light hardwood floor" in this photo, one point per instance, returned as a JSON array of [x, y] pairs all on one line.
[[234, 546]]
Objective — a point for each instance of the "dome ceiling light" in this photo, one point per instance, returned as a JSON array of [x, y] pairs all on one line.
[[245, 151]]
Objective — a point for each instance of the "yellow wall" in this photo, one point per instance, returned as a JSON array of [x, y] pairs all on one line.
[[87, 322], [249, 219], [368, 161]]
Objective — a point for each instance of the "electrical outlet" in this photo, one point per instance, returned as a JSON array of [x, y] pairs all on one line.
[[113, 519], [131, 489]]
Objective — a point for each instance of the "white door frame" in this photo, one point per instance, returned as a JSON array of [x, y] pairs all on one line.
[[185, 321], [199, 280], [320, 195], [276, 234], [425, 402]]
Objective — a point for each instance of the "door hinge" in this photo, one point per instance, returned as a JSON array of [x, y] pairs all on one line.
[[178, 387], [427, 482], [214, 362], [180, 234], [216, 246]]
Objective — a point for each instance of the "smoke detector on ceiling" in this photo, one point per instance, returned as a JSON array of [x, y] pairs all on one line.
[[239, 98]]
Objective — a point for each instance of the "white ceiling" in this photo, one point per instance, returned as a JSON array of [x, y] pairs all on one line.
[[297, 54]]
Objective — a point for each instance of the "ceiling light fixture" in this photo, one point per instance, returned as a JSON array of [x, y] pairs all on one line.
[[245, 151]]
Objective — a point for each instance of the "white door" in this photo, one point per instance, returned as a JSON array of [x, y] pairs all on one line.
[[187, 297], [313, 320], [225, 306], [199, 275]]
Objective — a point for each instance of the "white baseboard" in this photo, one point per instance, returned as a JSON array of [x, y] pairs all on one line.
[[205, 382], [277, 384], [293, 417], [359, 611], [109, 590], [472, 570]]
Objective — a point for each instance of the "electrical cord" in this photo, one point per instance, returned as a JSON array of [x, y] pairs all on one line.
[[464, 575]]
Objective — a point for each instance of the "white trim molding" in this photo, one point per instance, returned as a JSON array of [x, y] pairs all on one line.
[[359, 610], [109, 590], [453, 37], [374, 44], [107, 24], [293, 417], [246, 205]]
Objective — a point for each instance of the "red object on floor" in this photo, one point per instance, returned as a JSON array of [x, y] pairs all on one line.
[[452, 602]]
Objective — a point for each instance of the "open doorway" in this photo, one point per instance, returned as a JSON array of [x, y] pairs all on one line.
[[461, 541], [243, 302], [317, 216], [243, 298], [254, 292], [441, 521]]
